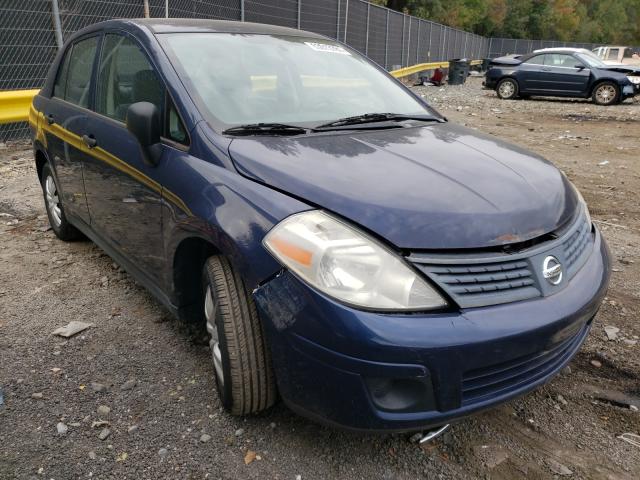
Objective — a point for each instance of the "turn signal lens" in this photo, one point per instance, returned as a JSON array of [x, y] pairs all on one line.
[[348, 265]]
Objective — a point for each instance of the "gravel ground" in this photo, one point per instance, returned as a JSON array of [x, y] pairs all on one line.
[[154, 376]]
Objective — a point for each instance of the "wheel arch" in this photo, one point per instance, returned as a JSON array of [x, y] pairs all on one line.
[[41, 159], [600, 81]]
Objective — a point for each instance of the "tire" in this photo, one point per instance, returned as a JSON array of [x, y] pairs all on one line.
[[242, 361], [55, 211], [606, 93], [507, 89]]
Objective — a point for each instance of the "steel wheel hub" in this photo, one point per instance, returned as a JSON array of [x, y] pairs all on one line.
[[606, 93], [53, 202], [214, 343]]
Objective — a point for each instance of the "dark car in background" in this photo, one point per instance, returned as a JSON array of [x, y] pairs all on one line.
[[562, 73], [348, 249]]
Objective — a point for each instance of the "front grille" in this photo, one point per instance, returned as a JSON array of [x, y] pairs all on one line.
[[482, 383], [575, 247], [491, 282], [482, 279]]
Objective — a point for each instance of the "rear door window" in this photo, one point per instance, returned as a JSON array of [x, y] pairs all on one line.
[[77, 87], [537, 60], [613, 54], [126, 76]]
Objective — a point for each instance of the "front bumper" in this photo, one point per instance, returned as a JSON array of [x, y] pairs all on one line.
[[332, 362]]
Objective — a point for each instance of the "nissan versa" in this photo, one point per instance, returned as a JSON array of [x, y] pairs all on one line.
[[351, 251]]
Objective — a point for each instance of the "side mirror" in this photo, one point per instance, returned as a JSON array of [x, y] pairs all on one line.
[[579, 66], [143, 121]]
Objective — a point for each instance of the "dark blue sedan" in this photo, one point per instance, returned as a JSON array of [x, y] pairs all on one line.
[[562, 73], [349, 250]]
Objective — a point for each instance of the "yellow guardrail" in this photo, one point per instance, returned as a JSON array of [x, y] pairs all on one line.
[[14, 105], [420, 67]]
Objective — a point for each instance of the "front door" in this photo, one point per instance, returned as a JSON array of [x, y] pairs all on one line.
[[124, 196], [65, 122], [565, 74]]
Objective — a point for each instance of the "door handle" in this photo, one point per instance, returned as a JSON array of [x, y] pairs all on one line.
[[51, 119], [89, 140]]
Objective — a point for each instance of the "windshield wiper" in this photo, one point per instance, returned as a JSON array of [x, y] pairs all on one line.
[[266, 129], [376, 117]]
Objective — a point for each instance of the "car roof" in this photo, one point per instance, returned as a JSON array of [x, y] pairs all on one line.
[[561, 49], [174, 25]]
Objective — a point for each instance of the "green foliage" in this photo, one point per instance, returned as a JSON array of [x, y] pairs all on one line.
[[598, 21]]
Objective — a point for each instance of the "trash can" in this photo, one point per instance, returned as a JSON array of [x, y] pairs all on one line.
[[458, 71]]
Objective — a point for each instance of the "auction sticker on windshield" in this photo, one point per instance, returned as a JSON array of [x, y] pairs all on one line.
[[324, 47]]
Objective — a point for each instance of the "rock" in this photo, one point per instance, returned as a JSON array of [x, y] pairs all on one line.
[[62, 428], [204, 438], [37, 395], [558, 468], [562, 400], [99, 423], [596, 363], [272, 425], [72, 328], [631, 343], [249, 457], [415, 438], [98, 387], [92, 455], [239, 432], [566, 370], [104, 434], [56, 370], [128, 385], [633, 408], [611, 332], [132, 428], [163, 452], [103, 410]]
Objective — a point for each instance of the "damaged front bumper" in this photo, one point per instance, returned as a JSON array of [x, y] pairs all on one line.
[[403, 372]]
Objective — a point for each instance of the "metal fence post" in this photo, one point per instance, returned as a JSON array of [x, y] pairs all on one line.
[[409, 41], [166, 8], [418, 43], [366, 41], [146, 8], [299, 7], [346, 21], [338, 21], [429, 47], [402, 49], [386, 43], [242, 10], [57, 25]]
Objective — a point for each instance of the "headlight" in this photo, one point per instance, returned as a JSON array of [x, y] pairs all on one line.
[[347, 264], [635, 79]]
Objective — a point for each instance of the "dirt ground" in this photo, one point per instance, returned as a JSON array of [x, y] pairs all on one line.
[[155, 376]]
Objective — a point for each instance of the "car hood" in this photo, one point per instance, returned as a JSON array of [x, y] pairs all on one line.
[[621, 68], [440, 186]]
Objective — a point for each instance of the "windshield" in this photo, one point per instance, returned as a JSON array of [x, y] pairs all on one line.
[[591, 60], [242, 79]]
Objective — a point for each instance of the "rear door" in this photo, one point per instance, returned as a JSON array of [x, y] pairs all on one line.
[[531, 75], [66, 116], [124, 195]]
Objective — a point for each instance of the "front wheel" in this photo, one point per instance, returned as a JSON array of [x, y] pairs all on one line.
[[606, 93], [507, 89], [241, 358], [55, 211]]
